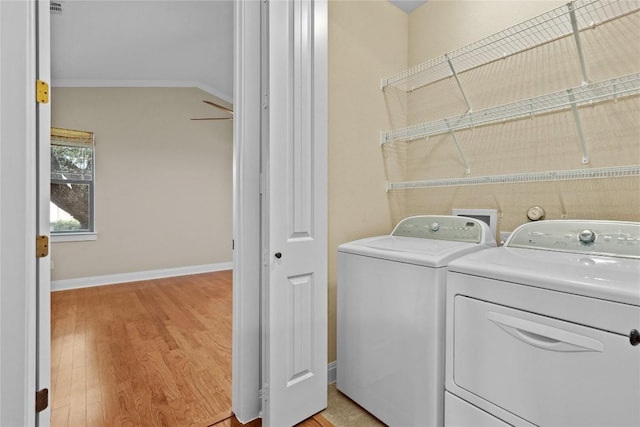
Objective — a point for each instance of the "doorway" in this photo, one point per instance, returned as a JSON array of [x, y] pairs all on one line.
[[157, 166]]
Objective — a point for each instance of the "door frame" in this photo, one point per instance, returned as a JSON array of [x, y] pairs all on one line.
[[43, 176], [17, 251], [250, 254], [247, 183]]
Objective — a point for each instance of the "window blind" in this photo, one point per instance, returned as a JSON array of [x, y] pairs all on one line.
[[72, 137]]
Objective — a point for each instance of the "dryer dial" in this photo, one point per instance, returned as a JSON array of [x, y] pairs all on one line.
[[587, 236], [535, 213]]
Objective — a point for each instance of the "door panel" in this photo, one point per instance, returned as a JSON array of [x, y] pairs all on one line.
[[300, 340], [295, 332], [17, 213]]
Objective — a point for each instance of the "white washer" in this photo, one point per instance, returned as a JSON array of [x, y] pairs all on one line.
[[544, 331], [390, 302]]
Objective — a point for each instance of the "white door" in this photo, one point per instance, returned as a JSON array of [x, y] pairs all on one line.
[[295, 285], [17, 213]]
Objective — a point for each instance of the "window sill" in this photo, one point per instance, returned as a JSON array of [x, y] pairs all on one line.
[[73, 237]]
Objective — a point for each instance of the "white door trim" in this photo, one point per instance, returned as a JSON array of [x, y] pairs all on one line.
[[246, 212], [43, 278]]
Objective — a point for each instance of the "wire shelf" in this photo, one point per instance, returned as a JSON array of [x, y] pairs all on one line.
[[542, 29], [556, 101], [563, 175]]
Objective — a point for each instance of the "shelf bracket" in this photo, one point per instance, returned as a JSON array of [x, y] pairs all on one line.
[[383, 137], [467, 169], [576, 116], [576, 36], [455, 75]]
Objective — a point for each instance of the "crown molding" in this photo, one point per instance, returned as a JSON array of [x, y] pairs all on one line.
[[142, 83]]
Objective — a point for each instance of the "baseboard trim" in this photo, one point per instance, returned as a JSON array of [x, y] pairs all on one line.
[[331, 372], [112, 279]]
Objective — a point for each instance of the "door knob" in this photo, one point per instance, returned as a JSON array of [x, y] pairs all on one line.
[[278, 255]]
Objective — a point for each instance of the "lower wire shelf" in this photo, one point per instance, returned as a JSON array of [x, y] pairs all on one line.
[[562, 175]]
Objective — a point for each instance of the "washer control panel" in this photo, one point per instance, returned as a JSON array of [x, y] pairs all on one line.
[[611, 238], [445, 227]]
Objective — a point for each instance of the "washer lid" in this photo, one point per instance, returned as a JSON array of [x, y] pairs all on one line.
[[445, 227], [603, 277], [427, 252]]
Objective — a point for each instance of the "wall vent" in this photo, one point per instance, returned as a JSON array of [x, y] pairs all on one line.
[[56, 8]]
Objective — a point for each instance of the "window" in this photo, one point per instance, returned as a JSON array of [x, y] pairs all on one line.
[[72, 179]]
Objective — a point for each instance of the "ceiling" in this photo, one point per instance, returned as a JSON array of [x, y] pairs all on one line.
[[408, 5], [153, 43], [144, 43]]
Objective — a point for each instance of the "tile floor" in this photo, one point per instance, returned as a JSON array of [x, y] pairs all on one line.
[[343, 412]]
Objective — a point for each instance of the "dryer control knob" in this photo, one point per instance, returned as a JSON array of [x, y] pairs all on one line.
[[435, 226], [587, 236]]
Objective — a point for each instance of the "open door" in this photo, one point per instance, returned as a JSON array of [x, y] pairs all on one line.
[[295, 208], [17, 212]]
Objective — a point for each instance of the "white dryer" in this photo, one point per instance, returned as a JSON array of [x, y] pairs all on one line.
[[544, 331], [390, 319]]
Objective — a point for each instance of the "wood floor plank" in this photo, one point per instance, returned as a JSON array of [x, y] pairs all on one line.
[[322, 420], [60, 416], [77, 416], [181, 412], [95, 415], [61, 390], [92, 372], [78, 394], [154, 353], [219, 418]]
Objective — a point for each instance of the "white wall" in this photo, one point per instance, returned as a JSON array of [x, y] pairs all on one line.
[[163, 191]]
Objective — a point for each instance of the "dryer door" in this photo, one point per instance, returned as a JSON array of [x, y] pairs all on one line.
[[546, 371]]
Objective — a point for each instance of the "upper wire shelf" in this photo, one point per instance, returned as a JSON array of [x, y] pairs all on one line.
[[561, 175], [542, 29], [582, 95]]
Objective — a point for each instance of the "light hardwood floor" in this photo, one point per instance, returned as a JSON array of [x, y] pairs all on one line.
[[154, 353], [151, 353]]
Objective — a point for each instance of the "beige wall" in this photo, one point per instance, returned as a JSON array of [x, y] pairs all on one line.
[[542, 143], [367, 41], [163, 191], [440, 26]]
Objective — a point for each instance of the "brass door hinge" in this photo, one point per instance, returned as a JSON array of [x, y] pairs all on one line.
[[42, 246], [42, 92], [42, 399]]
